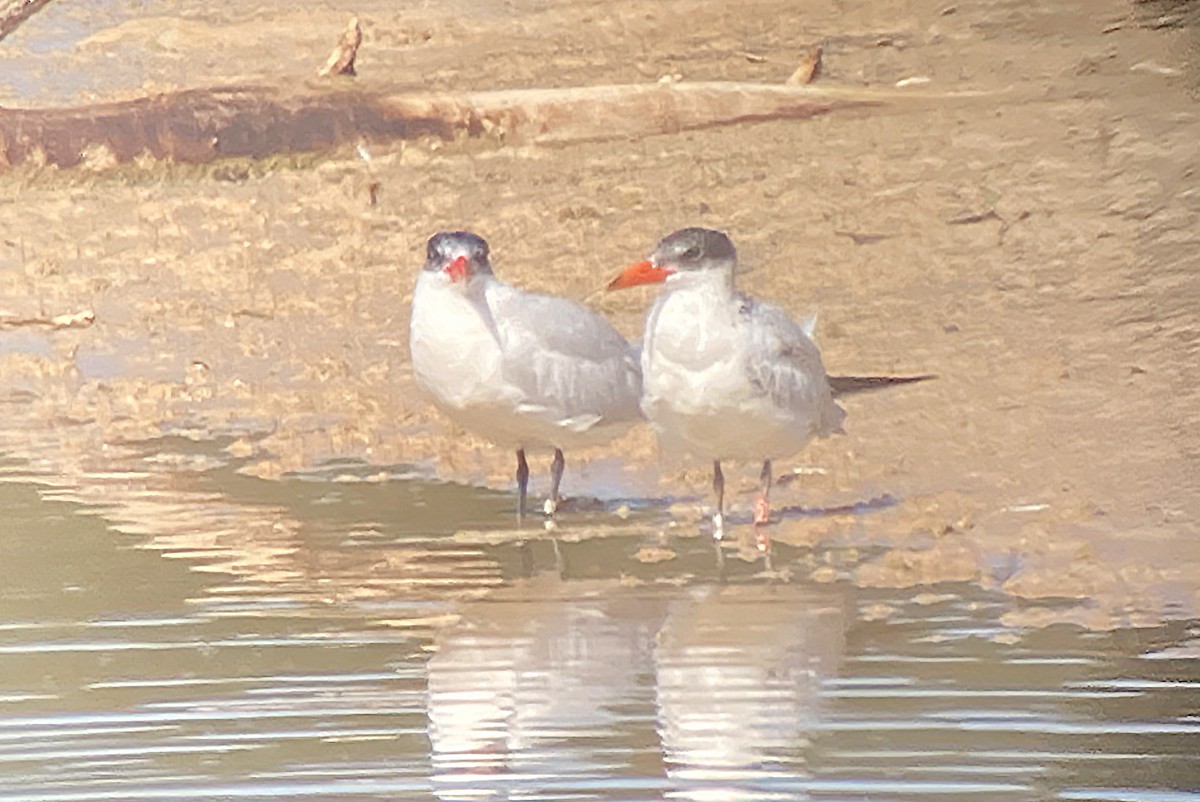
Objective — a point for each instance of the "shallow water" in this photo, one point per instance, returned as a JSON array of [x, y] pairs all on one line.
[[400, 640], [171, 627]]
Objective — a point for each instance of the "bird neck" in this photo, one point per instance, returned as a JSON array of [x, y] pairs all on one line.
[[716, 281]]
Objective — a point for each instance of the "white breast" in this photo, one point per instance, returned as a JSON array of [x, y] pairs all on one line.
[[702, 363], [455, 355]]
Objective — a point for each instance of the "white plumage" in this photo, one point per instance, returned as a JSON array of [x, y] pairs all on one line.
[[726, 376], [520, 369]]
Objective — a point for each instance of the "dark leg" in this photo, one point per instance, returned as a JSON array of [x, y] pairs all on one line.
[[560, 560], [522, 484], [556, 472], [762, 507], [719, 489]]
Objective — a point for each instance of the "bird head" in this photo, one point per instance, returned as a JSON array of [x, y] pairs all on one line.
[[688, 251], [458, 256]]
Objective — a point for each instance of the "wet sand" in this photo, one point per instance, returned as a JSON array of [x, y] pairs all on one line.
[[1034, 246]]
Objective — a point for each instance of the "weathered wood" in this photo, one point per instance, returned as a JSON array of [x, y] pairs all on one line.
[[201, 125], [809, 67], [341, 60], [69, 320], [14, 12]]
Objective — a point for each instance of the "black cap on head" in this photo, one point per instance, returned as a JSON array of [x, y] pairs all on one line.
[[445, 246], [695, 248]]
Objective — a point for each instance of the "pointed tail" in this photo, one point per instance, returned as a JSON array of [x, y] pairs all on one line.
[[850, 385]]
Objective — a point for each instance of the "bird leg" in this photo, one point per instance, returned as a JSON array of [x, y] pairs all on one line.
[[719, 488], [522, 484], [762, 507], [556, 472]]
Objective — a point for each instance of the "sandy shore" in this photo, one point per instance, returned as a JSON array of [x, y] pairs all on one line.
[[1034, 246]]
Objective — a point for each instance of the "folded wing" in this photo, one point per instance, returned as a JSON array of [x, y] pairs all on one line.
[[568, 363], [785, 365]]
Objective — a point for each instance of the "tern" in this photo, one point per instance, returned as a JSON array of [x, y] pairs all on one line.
[[726, 377], [520, 369]]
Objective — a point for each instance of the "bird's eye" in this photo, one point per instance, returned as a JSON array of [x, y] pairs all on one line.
[[691, 253]]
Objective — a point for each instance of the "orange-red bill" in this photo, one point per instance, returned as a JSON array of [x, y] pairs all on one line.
[[458, 269], [638, 273]]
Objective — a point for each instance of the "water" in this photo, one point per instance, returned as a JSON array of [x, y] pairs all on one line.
[[171, 629], [398, 640]]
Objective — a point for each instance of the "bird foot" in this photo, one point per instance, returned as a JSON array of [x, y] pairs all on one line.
[[718, 526], [762, 540], [762, 511], [550, 507]]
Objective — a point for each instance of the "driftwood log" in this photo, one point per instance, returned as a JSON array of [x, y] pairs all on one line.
[[14, 12], [202, 125]]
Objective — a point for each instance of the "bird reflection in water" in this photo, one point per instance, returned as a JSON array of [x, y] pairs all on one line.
[[554, 688]]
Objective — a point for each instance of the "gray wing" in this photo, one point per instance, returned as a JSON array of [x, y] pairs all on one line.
[[566, 360], [785, 364]]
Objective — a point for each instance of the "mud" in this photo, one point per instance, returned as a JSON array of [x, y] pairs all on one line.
[[1033, 245]]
